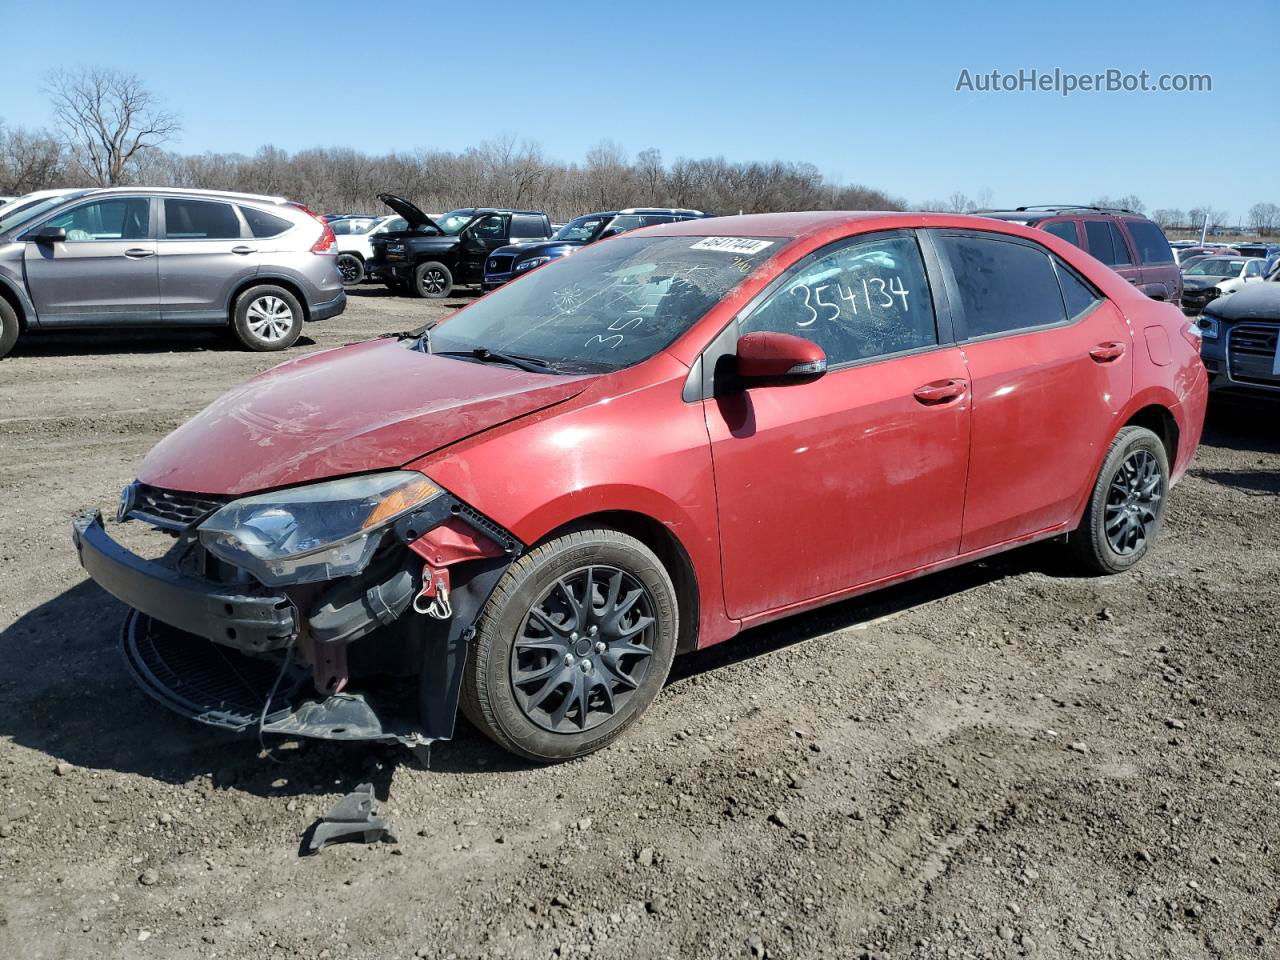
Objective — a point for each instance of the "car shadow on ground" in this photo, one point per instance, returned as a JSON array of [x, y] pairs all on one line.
[[124, 342], [1246, 426], [66, 693]]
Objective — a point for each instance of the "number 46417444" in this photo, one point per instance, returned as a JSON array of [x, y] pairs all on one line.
[[871, 292]]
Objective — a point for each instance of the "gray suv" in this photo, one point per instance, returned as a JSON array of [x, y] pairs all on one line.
[[135, 256]]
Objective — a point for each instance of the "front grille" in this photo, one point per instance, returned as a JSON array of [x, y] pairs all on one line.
[[172, 509], [1251, 353], [501, 264]]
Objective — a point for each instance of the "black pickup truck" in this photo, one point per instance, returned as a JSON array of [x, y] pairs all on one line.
[[432, 256]]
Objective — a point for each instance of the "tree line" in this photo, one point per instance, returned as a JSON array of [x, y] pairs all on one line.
[[110, 130]]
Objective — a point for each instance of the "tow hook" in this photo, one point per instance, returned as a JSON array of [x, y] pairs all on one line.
[[433, 598]]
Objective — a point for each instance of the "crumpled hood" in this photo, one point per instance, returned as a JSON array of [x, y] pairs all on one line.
[[370, 406], [1200, 283]]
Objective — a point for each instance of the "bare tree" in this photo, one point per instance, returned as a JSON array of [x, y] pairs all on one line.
[[109, 119], [1264, 217], [1168, 217], [30, 160]]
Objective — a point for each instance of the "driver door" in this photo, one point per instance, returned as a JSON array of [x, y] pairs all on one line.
[[478, 241], [859, 474], [104, 272]]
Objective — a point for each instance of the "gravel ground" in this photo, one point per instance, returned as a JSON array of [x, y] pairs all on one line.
[[1000, 761]]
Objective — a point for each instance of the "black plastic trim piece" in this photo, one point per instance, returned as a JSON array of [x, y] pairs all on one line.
[[245, 621]]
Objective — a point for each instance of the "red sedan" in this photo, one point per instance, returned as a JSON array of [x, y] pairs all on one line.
[[637, 451]]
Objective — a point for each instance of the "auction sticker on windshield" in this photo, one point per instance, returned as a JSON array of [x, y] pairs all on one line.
[[746, 245]]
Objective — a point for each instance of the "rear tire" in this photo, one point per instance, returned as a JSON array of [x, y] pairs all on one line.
[[267, 318], [350, 269], [1127, 505], [8, 327], [431, 280], [552, 677]]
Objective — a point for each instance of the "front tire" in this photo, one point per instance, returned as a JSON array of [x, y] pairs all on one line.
[[267, 318], [350, 269], [575, 642], [8, 327], [431, 280], [1127, 505]]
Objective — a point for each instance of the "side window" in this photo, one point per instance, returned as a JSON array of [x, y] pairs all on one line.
[[200, 220], [1253, 269], [1098, 235], [1076, 294], [1064, 230], [1151, 242], [1117, 243], [262, 224], [865, 299], [654, 219], [117, 218], [489, 228], [526, 226], [1003, 286]]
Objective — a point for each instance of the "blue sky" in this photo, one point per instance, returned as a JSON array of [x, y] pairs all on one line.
[[864, 91]]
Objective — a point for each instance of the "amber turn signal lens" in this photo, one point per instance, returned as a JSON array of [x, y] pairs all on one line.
[[401, 499]]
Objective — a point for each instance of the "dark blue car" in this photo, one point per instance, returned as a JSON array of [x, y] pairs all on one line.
[[507, 263]]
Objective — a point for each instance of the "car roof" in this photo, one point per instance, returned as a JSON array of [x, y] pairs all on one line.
[[477, 211], [794, 225], [191, 191]]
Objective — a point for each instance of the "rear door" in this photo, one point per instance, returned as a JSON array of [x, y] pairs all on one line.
[[858, 474], [104, 272], [206, 251], [1049, 359]]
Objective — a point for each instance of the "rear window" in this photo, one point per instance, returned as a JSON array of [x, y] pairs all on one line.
[[265, 224], [1003, 286], [200, 220], [1151, 242], [1064, 230], [524, 226], [1106, 243]]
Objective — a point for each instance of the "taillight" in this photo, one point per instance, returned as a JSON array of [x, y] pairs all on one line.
[[328, 242]]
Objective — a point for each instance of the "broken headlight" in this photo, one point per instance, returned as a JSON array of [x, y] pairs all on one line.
[[317, 532]]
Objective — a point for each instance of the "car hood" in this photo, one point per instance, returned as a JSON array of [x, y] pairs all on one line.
[[410, 211], [1255, 301], [1201, 283], [524, 251], [369, 406]]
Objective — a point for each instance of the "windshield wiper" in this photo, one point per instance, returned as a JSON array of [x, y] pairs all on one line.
[[485, 355]]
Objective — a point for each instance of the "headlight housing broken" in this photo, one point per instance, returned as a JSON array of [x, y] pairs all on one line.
[[316, 532]]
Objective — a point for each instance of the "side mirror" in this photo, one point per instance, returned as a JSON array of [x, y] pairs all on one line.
[[779, 356], [48, 235]]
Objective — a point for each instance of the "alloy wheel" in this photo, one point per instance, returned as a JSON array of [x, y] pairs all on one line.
[[433, 281], [1133, 502], [270, 318], [349, 270], [583, 649]]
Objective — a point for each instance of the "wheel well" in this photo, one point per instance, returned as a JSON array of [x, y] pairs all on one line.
[[670, 551], [352, 253], [268, 282], [11, 298], [1159, 421]]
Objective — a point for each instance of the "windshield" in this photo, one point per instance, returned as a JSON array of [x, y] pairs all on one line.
[[611, 306], [352, 225], [20, 213], [453, 222], [581, 230], [1216, 268]]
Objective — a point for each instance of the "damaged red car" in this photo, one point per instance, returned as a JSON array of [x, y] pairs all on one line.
[[529, 509]]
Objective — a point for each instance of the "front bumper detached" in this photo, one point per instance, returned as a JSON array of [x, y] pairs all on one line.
[[247, 657]]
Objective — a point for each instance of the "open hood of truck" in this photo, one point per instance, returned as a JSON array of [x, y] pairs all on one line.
[[369, 406], [410, 211]]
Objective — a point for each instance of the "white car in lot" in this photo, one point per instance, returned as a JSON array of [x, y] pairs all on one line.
[[354, 248], [1206, 280]]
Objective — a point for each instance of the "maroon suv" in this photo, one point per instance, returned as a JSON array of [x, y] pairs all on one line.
[[1127, 242]]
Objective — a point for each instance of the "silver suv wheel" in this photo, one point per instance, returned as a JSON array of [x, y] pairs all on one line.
[[270, 318]]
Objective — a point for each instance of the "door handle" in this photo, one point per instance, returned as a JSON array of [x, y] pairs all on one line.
[[139, 253], [1133, 280], [940, 391], [242, 251], [1107, 352]]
